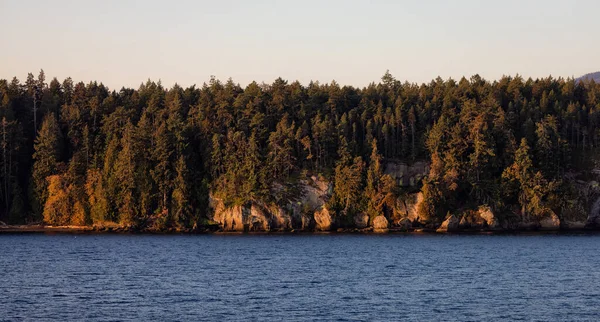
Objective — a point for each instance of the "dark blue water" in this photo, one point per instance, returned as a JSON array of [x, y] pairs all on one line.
[[299, 277]]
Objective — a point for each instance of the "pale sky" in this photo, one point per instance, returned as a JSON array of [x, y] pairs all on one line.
[[123, 43]]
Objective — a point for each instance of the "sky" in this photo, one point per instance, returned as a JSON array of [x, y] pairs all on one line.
[[124, 43]]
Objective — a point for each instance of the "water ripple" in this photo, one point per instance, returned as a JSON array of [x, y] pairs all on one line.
[[300, 277]]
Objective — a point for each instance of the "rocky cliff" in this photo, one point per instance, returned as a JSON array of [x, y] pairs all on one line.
[[309, 213]]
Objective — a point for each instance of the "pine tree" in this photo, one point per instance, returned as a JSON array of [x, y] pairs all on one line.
[[46, 156], [380, 188], [162, 173], [125, 170], [181, 210]]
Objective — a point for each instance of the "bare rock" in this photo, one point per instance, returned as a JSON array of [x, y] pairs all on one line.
[[302, 221], [380, 223], [450, 224], [412, 204], [404, 223], [231, 219], [405, 174], [322, 219], [249, 217], [480, 219], [361, 221], [487, 214], [280, 219], [315, 192], [258, 219]]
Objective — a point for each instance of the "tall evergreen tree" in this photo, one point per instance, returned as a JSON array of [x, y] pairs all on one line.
[[46, 156]]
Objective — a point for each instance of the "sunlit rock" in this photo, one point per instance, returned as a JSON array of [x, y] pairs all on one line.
[[450, 224], [380, 223], [322, 219]]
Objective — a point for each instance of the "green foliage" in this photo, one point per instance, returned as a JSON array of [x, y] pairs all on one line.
[[46, 156], [348, 183], [149, 157]]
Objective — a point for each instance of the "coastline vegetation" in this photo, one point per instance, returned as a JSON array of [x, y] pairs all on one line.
[[84, 154]]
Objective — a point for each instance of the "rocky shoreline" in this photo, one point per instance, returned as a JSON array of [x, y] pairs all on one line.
[[18, 229], [213, 230], [309, 214]]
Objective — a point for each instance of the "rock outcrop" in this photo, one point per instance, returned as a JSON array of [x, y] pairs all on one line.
[[450, 224], [257, 220], [251, 216], [304, 213], [230, 219], [488, 215], [309, 212], [481, 219], [407, 175], [380, 223], [315, 193], [361, 221], [322, 219], [280, 219], [409, 205], [404, 224]]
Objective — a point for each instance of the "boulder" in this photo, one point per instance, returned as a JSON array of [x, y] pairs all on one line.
[[404, 223], [486, 214], [550, 222], [361, 221], [450, 224], [482, 218], [322, 219], [380, 223]]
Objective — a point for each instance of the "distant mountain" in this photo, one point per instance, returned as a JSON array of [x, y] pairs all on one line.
[[595, 76]]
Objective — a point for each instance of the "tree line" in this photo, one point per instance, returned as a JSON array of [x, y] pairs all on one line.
[[76, 153]]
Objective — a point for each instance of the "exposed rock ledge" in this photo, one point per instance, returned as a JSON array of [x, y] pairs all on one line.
[[449, 225], [380, 224], [309, 213]]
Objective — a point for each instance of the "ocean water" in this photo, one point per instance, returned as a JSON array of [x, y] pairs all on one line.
[[333, 277]]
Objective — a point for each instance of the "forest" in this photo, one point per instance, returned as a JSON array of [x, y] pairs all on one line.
[[83, 154]]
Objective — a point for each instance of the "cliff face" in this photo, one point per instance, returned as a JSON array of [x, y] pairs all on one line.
[[407, 175], [309, 213]]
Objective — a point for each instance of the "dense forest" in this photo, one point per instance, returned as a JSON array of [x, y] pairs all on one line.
[[83, 154]]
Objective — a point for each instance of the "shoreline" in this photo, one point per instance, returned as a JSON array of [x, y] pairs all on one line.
[[43, 229]]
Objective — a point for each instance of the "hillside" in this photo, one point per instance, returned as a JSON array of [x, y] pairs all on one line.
[[244, 158], [595, 76]]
